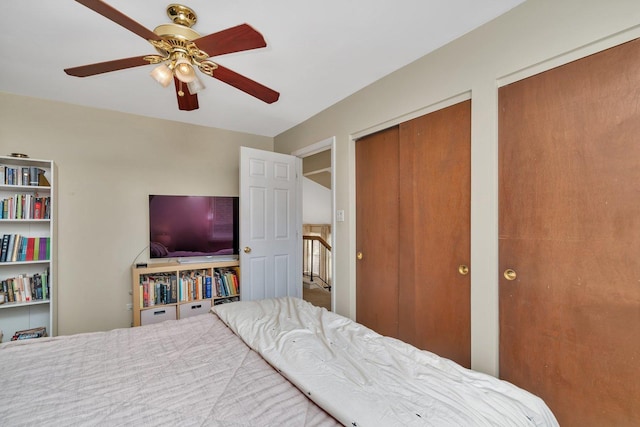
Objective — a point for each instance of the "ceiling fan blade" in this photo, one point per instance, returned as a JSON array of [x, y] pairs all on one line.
[[187, 101], [119, 18], [105, 67], [245, 84], [234, 39]]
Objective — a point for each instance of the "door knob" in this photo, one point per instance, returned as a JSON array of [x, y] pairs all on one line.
[[463, 269], [247, 249], [510, 274], [359, 255]]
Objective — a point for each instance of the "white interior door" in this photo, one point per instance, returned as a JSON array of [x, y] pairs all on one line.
[[270, 224]]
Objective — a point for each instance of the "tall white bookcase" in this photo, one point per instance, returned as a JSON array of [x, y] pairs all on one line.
[[26, 188]]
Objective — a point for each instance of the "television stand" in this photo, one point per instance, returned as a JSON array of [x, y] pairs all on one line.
[[176, 290]]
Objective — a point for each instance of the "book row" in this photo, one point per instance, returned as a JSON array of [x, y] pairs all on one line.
[[25, 175], [14, 247], [25, 206], [25, 288], [168, 288]]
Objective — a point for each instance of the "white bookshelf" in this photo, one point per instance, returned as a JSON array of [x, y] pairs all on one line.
[[20, 315]]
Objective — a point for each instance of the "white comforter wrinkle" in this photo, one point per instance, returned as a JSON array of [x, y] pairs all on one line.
[[365, 379]]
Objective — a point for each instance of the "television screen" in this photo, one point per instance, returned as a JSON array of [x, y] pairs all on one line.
[[193, 226]]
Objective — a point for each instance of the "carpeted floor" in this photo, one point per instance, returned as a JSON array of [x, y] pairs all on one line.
[[317, 297]]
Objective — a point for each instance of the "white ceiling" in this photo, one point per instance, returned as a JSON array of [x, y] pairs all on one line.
[[317, 53]]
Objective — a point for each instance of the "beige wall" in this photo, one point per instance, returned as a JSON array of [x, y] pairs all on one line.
[[534, 36], [107, 165]]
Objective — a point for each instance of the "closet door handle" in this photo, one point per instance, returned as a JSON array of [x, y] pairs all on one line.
[[247, 249], [463, 269], [359, 255], [510, 274]]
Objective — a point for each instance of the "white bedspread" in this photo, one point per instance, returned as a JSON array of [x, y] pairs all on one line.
[[365, 379]]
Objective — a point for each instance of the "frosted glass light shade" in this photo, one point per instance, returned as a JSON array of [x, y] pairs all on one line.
[[184, 71], [162, 74], [195, 86]]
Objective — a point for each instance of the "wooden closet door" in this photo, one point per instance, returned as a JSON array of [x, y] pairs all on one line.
[[435, 190], [377, 231], [569, 147]]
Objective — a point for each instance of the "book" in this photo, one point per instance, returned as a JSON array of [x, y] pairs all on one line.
[[10, 293], [12, 239], [42, 179], [25, 287], [10, 174], [19, 249], [174, 289], [22, 249], [30, 245], [18, 214], [42, 251], [17, 290], [36, 282], [16, 248], [30, 333], [25, 176], [4, 248], [37, 208], [208, 286], [33, 175], [45, 284], [217, 283]]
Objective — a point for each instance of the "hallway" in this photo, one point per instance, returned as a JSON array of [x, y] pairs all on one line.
[[316, 296]]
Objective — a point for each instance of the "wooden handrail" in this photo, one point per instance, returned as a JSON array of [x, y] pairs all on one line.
[[323, 258], [319, 239]]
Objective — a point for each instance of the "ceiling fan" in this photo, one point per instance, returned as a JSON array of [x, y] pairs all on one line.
[[180, 51]]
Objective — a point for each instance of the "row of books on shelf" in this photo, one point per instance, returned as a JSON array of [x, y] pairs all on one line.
[[25, 206], [25, 288], [15, 247], [168, 288], [23, 175]]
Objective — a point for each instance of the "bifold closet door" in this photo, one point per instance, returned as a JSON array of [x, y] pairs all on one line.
[[377, 242], [569, 150], [435, 195]]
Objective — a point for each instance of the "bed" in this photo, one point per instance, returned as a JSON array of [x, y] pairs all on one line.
[[273, 362]]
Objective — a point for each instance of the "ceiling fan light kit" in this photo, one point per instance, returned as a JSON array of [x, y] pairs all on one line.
[[184, 71], [196, 86], [162, 74], [181, 50]]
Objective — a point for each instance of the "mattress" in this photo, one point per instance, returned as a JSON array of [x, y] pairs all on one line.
[[189, 372], [365, 379]]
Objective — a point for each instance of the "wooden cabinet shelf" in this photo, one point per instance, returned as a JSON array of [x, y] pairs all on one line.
[[170, 291]]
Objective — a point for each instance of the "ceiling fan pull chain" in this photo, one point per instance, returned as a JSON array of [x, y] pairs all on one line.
[[180, 91]]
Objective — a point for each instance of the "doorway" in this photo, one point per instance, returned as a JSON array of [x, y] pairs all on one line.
[[318, 222]]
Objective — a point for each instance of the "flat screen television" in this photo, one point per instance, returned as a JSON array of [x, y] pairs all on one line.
[[193, 226]]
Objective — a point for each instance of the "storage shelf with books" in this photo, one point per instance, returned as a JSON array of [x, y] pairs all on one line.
[[27, 245], [170, 291]]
